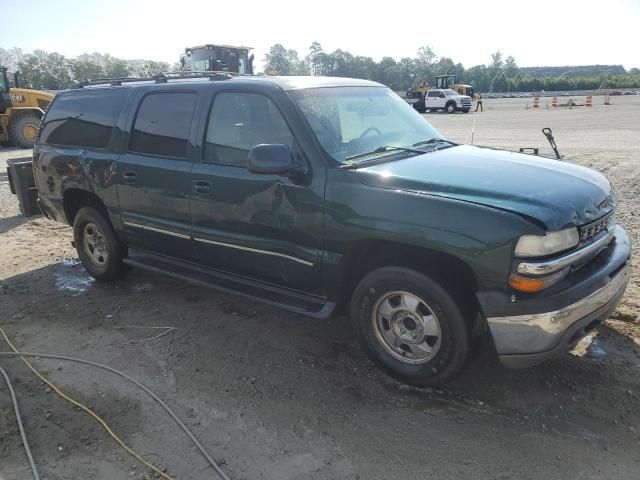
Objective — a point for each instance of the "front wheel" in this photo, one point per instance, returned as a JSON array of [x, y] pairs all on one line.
[[465, 110], [410, 326], [98, 248], [451, 108]]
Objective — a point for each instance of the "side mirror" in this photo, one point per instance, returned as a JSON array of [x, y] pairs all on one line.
[[272, 159]]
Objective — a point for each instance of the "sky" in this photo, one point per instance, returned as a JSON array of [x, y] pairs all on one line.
[[540, 33]]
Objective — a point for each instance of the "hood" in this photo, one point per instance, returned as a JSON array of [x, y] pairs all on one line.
[[557, 194]]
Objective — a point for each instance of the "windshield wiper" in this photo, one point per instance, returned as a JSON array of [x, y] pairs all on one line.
[[434, 140], [382, 149]]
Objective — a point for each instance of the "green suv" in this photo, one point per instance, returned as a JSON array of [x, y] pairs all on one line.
[[326, 195]]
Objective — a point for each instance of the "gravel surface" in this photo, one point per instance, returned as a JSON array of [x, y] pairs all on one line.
[[274, 395]]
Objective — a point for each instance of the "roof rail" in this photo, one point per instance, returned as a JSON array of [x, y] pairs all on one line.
[[161, 77], [102, 81]]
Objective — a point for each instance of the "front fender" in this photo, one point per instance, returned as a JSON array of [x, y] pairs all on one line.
[[481, 237]]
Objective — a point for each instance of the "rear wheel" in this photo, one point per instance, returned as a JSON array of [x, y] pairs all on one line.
[[410, 326], [98, 248], [23, 130], [451, 107]]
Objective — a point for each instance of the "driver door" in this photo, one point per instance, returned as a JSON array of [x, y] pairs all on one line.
[[264, 227]]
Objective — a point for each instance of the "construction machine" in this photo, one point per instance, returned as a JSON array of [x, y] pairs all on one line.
[[219, 58], [449, 81], [20, 111], [415, 97]]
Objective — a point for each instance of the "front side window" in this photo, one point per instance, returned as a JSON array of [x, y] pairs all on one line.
[[240, 121], [163, 123], [83, 119], [349, 121]]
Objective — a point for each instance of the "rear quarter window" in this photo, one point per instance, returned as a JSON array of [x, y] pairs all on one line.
[[83, 119]]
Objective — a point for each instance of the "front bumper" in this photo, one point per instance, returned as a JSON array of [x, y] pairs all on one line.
[[531, 336]]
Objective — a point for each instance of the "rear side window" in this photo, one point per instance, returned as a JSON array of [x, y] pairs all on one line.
[[84, 119], [162, 124]]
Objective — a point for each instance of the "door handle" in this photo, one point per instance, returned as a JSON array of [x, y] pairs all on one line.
[[129, 177], [202, 187]]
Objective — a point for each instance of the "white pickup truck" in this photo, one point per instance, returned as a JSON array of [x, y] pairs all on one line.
[[446, 99]]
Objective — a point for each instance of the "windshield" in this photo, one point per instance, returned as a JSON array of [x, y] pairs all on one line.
[[449, 93], [351, 121]]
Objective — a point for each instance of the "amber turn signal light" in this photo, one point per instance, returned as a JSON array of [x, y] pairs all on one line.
[[525, 284]]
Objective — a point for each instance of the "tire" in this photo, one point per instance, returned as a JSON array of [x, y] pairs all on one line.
[[465, 110], [415, 306], [451, 107], [23, 130], [98, 248]]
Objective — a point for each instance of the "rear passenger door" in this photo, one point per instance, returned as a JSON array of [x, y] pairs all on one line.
[[154, 173], [265, 227]]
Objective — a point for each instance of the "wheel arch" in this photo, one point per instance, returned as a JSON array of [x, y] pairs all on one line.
[[74, 199], [452, 273]]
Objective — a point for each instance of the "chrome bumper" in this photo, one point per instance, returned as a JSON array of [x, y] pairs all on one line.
[[525, 340]]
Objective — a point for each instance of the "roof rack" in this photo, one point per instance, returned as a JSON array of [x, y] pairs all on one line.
[[162, 77]]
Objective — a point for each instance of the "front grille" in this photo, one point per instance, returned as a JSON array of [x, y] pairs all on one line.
[[466, 102], [592, 229]]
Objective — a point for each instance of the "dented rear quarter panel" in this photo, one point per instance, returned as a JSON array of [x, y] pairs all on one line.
[[59, 169]]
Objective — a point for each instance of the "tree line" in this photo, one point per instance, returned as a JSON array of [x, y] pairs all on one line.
[[502, 74], [53, 71]]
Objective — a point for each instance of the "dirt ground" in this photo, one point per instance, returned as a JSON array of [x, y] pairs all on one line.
[[277, 396]]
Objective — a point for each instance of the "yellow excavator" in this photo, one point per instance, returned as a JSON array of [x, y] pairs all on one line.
[[20, 111]]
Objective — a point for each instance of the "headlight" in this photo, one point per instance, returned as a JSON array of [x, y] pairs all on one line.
[[552, 242]]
